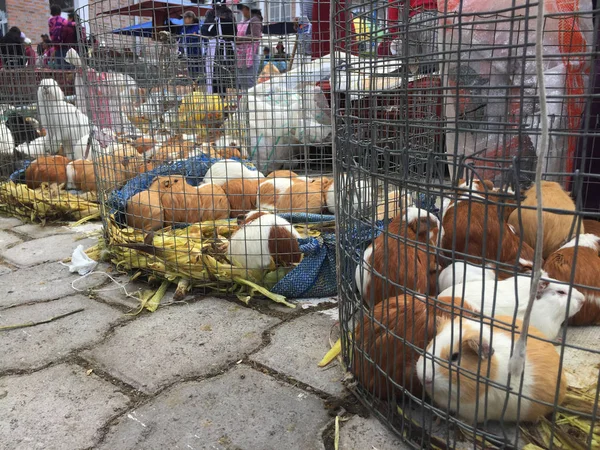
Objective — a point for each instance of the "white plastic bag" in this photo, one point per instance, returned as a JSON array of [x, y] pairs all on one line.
[[80, 262]]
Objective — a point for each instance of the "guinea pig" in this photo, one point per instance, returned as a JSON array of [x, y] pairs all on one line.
[[144, 144], [405, 261], [263, 241], [463, 271], [289, 195], [81, 176], [592, 226], [144, 211], [557, 227], [46, 169], [282, 174], [549, 309], [356, 192], [465, 352], [241, 194], [585, 257], [184, 203], [473, 229], [379, 350], [229, 169]]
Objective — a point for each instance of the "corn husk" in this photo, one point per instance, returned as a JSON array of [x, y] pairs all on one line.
[[49, 202], [191, 257]]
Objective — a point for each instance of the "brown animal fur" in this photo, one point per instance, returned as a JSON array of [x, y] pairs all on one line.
[[592, 226], [379, 339], [587, 273], [407, 264], [471, 223], [282, 174], [144, 211], [143, 144], [283, 247], [241, 194], [557, 227], [46, 169], [183, 203]]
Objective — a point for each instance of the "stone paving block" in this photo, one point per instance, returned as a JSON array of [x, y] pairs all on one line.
[[242, 409], [180, 341], [4, 270], [37, 231], [9, 222], [8, 239], [360, 434], [45, 282], [38, 251], [34, 347], [56, 408], [297, 347], [115, 295]]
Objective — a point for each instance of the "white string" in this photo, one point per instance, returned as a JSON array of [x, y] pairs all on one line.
[[119, 285], [517, 360]]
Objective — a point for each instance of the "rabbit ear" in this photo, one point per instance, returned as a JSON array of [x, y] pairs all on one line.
[[477, 344]]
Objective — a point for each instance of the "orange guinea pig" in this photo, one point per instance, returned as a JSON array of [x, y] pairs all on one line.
[[379, 350], [183, 203], [144, 211], [46, 169], [241, 194]]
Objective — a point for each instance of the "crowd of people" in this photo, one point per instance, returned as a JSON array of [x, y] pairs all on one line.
[[16, 49]]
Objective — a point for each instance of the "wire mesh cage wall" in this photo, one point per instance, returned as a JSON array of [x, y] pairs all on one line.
[[202, 135], [442, 129]]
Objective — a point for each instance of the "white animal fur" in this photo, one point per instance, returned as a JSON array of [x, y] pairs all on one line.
[[548, 312], [463, 272], [367, 269], [70, 176], [249, 246], [38, 147], [489, 406], [281, 185], [80, 147], [64, 123], [585, 240], [361, 195], [7, 142], [229, 169]]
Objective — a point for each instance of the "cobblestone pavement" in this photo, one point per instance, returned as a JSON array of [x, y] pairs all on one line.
[[206, 373]]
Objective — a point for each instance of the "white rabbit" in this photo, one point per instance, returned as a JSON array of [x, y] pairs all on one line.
[[64, 123], [549, 308]]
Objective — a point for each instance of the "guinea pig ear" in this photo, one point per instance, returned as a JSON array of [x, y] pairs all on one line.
[[488, 184], [542, 285], [479, 345]]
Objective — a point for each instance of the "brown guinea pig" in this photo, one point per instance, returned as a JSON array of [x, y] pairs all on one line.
[[46, 169], [470, 221], [282, 174], [557, 227], [592, 226], [398, 259], [468, 352], [145, 212], [378, 349], [184, 203], [587, 274], [241, 194], [143, 144]]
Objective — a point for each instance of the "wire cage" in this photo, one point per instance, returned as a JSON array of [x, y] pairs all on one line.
[[201, 134], [472, 111]]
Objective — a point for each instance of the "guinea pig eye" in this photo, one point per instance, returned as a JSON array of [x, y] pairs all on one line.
[[562, 293], [454, 357]]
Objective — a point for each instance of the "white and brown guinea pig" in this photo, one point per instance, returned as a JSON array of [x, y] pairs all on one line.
[[386, 270], [289, 195], [241, 194], [464, 347], [379, 353], [557, 227], [81, 176], [356, 192], [144, 211], [264, 240], [584, 257], [184, 203], [471, 226], [229, 169], [46, 169]]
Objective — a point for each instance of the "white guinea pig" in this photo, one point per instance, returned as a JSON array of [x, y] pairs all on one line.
[[549, 308], [262, 240], [229, 169], [467, 353], [461, 272]]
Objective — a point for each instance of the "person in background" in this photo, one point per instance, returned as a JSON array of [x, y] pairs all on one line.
[[45, 40], [218, 32], [280, 54], [70, 37], [55, 26], [249, 34], [266, 59], [12, 50], [30, 54], [190, 43]]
